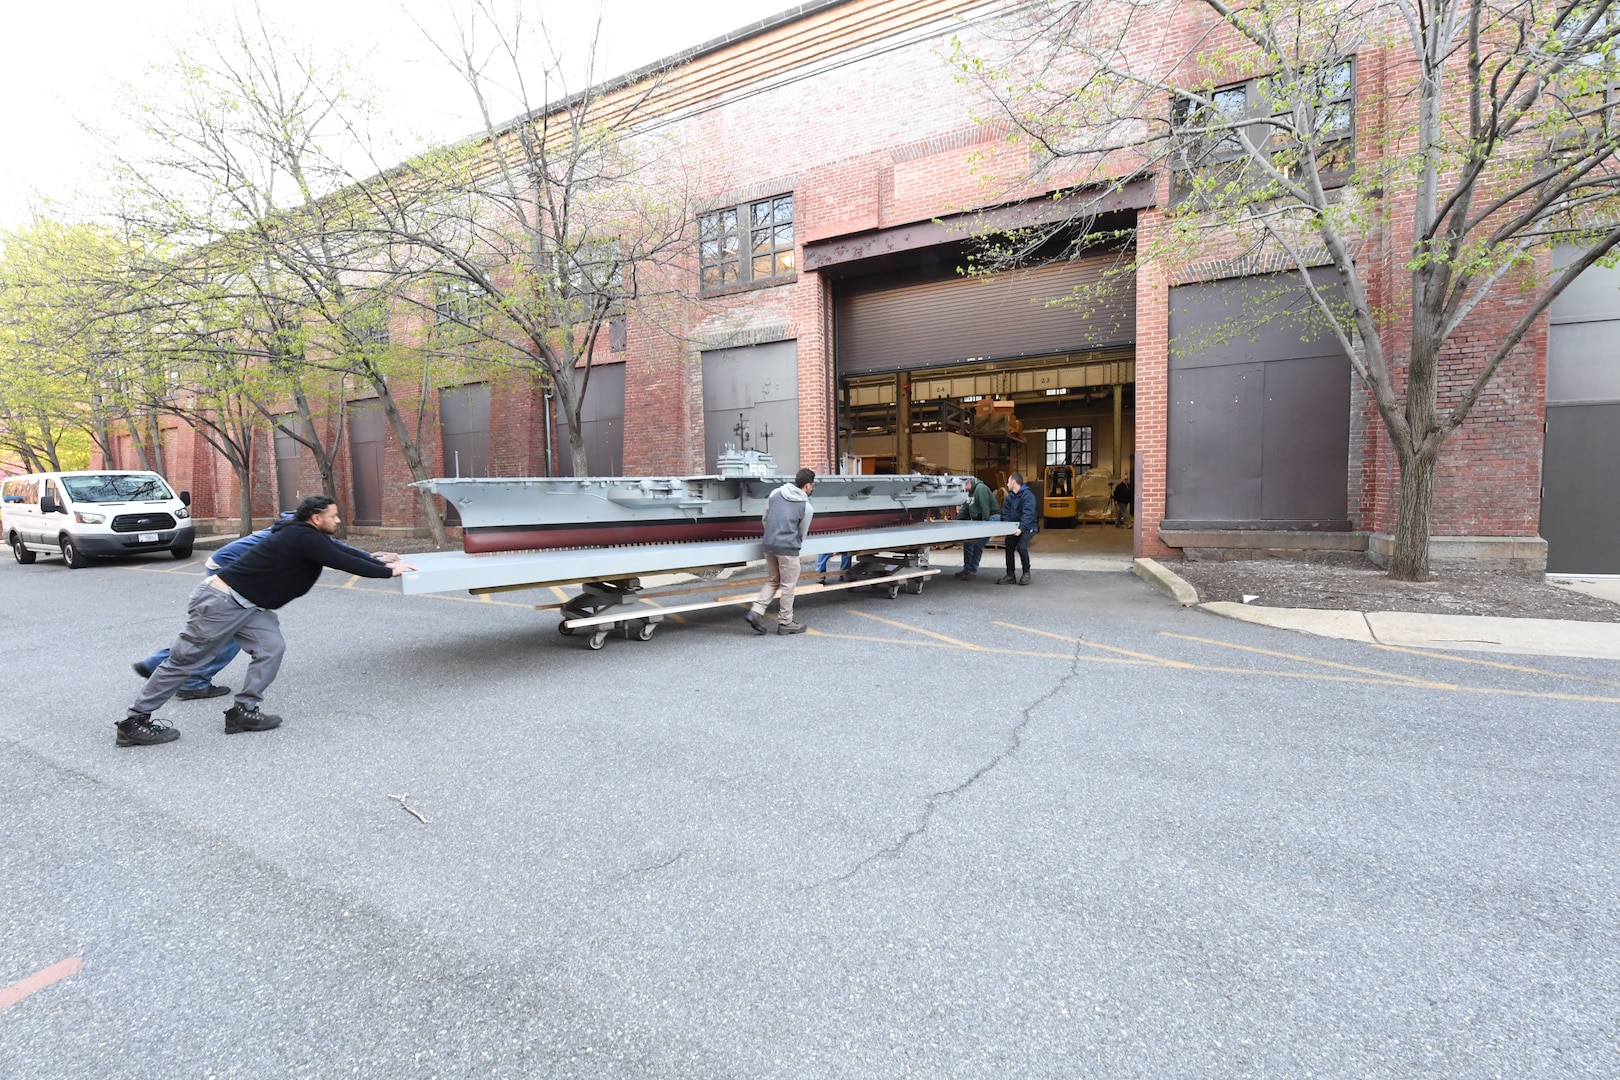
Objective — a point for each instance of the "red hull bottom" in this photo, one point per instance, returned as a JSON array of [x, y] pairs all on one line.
[[545, 537]]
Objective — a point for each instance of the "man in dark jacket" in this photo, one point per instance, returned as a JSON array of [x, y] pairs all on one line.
[[787, 523], [1123, 494], [239, 603], [981, 506], [1020, 509]]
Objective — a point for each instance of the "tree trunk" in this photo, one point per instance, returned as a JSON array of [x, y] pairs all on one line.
[[413, 460], [1410, 561], [244, 484]]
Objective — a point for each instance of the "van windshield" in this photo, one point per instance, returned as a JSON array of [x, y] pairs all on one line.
[[116, 487]]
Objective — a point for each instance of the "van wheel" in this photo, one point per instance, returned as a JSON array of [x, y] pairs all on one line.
[[181, 552], [75, 558], [19, 552]]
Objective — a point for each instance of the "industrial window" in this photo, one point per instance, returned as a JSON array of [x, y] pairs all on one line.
[[1208, 156], [1069, 446], [459, 303], [748, 243]]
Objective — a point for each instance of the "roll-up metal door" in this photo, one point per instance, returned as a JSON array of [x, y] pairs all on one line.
[[601, 417], [288, 472], [464, 427], [751, 401], [890, 324], [1580, 469], [1259, 410], [368, 427]]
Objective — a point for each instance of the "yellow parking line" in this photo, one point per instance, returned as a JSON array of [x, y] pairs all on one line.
[[559, 592], [1162, 661], [1426, 683], [650, 602], [812, 631], [918, 630], [1496, 664]]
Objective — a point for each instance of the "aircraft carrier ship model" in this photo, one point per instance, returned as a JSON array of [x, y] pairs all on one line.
[[535, 513]]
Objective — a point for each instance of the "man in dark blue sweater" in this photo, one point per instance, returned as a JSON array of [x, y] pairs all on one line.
[[239, 603]]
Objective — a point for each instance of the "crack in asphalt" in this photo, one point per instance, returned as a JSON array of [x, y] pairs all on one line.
[[939, 799]]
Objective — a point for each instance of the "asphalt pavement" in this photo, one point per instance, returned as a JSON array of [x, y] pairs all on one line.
[[1068, 830]]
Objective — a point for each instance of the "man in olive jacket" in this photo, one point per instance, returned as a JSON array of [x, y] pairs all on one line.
[[787, 523], [981, 506]]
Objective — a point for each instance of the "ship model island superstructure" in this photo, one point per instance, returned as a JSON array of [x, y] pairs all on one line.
[[538, 513]]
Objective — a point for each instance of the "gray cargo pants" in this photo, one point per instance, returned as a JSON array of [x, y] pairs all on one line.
[[212, 619]]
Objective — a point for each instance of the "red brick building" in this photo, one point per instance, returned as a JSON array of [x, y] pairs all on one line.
[[838, 152]]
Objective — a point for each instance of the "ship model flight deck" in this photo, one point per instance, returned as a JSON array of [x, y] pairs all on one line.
[[606, 533]]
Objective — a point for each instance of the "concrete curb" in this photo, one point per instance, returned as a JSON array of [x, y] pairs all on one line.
[[1166, 581], [1462, 633]]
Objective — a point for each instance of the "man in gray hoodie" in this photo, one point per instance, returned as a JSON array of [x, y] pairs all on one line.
[[787, 523]]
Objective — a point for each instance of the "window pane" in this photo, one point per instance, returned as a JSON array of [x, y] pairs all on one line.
[[784, 236], [761, 213], [784, 209], [784, 262], [711, 276], [708, 225], [762, 266], [728, 220], [730, 245], [762, 241]]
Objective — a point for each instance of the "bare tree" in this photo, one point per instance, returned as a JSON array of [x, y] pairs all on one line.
[[533, 237], [255, 129], [1501, 147]]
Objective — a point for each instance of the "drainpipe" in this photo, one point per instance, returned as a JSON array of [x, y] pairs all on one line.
[[549, 471]]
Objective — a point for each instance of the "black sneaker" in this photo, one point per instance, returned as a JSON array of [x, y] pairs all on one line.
[[139, 729], [755, 621], [239, 719], [1025, 579], [1008, 580], [140, 668], [965, 575], [790, 628], [211, 690]]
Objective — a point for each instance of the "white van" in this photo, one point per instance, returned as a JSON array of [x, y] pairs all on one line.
[[80, 515]]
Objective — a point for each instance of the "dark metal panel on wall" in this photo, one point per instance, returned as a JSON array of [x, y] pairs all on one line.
[[890, 324], [1223, 411], [1259, 409], [1580, 465], [755, 387], [287, 468], [368, 427], [464, 429], [601, 417], [1580, 506]]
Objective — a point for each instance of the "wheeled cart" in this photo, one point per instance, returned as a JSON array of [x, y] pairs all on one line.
[[612, 598]]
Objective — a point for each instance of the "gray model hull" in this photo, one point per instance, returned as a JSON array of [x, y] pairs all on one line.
[[500, 514]]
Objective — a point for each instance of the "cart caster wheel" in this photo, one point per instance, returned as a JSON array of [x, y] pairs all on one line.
[[894, 592], [915, 586], [598, 639], [565, 630], [646, 632]]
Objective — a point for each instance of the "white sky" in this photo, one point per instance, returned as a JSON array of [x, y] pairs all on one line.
[[67, 63]]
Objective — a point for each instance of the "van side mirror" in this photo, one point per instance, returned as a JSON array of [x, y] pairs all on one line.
[[185, 498], [48, 505]]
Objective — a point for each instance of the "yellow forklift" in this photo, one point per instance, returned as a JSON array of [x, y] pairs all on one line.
[[1058, 504]]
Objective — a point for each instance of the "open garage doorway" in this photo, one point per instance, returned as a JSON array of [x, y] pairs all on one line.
[[1066, 423]]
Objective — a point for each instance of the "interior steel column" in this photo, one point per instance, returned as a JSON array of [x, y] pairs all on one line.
[[902, 410], [1118, 463]]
